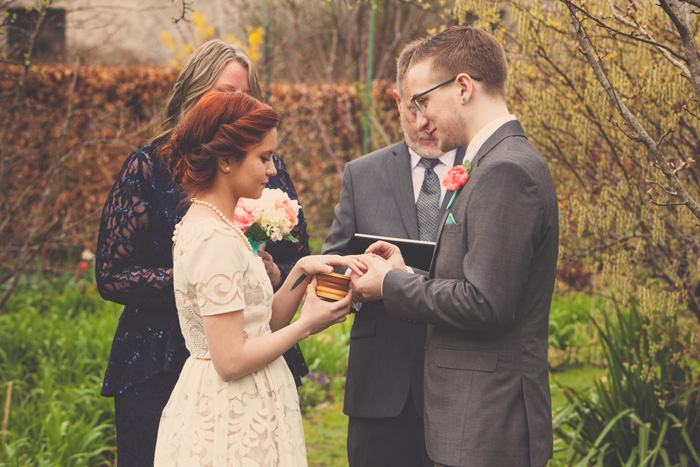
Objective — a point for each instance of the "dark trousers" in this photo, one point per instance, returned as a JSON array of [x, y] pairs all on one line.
[[137, 413], [388, 442]]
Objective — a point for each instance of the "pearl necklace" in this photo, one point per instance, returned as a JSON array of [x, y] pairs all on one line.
[[223, 218]]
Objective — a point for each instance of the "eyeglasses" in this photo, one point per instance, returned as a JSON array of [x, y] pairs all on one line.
[[414, 99]]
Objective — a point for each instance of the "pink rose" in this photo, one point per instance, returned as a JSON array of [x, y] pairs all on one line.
[[289, 211], [243, 216], [456, 178]]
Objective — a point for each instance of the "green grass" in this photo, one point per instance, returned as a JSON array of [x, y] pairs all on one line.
[[325, 428], [576, 378], [55, 339], [579, 379]]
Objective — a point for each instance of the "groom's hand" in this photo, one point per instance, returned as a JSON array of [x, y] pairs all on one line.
[[369, 285], [389, 252]]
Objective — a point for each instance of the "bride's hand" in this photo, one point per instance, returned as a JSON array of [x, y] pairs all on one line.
[[317, 314], [326, 264]]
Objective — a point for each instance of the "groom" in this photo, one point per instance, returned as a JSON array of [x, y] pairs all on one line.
[[488, 293]]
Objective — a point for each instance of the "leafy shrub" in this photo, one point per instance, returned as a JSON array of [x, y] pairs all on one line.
[[328, 351], [572, 336], [314, 391], [646, 409], [55, 339]]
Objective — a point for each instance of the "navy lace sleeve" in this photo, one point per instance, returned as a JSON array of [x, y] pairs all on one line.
[[134, 267], [285, 253], [128, 270]]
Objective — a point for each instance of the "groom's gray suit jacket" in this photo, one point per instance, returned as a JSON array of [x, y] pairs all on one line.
[[386, 354], [487, 300]]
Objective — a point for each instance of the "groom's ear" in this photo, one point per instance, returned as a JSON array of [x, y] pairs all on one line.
[[466, 87]]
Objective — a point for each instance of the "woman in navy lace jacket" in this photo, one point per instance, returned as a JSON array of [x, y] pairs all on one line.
[[134, 259]]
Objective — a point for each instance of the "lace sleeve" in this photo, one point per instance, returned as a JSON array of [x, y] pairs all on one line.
[[286, 253], [213, 265], [120, 267]]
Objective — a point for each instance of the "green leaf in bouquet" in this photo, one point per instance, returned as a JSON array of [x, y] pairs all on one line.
[[290, 238], [256, 233]]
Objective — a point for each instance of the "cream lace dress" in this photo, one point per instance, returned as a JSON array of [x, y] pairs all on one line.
[[254, 420]]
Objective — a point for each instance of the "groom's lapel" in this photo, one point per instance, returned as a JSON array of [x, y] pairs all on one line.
[[398, 166], [444, 210], [459, 157], [510, 128]]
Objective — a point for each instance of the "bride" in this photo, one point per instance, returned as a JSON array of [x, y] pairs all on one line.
[[235, 402]]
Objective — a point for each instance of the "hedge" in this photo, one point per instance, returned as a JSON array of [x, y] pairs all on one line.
[[321, 130]]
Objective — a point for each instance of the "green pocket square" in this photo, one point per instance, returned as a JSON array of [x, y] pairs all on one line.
[[450, 220]]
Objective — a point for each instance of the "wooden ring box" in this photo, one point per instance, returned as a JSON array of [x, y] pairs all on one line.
[[332, 287]]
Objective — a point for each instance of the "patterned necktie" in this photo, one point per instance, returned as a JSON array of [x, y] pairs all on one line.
[[428, 204]]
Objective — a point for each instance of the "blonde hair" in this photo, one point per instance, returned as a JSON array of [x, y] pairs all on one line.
[[196, 78]]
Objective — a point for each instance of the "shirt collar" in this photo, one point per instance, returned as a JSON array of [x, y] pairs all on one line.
[[484, 134], [448, 158]]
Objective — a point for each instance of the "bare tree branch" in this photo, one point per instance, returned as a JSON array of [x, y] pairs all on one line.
[[654, 153], [9, 289], [22, 83], [674, 10], [575, 8], [37, 225], [589, 110], [186, 8], [586, 252], [695, 3], [635, 25]]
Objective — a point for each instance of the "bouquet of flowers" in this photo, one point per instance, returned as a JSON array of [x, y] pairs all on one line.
[[270, 217]]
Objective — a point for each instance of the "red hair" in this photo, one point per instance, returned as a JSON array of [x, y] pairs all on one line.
[[223, 125]]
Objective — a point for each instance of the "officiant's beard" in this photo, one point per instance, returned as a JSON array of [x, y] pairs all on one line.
[[427, 150]]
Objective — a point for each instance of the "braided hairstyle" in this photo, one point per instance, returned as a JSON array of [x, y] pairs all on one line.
[[223, 125]]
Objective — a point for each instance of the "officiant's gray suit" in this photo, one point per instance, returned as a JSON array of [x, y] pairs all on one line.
[[386, 354], [486, 302]]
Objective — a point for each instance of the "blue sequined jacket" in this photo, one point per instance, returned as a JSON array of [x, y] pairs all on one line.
[[134, 267]]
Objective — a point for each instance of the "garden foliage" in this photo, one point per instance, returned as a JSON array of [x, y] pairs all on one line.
[[56, 335], [572, 337], [645, 410], [55, 340], [604, 175]]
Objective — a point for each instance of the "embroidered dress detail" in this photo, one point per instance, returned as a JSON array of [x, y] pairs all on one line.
[[254, 420]]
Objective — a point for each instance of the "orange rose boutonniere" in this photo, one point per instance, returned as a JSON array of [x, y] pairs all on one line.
[[455, 179]]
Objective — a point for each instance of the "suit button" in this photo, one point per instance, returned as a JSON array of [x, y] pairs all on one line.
[[426, 347]]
